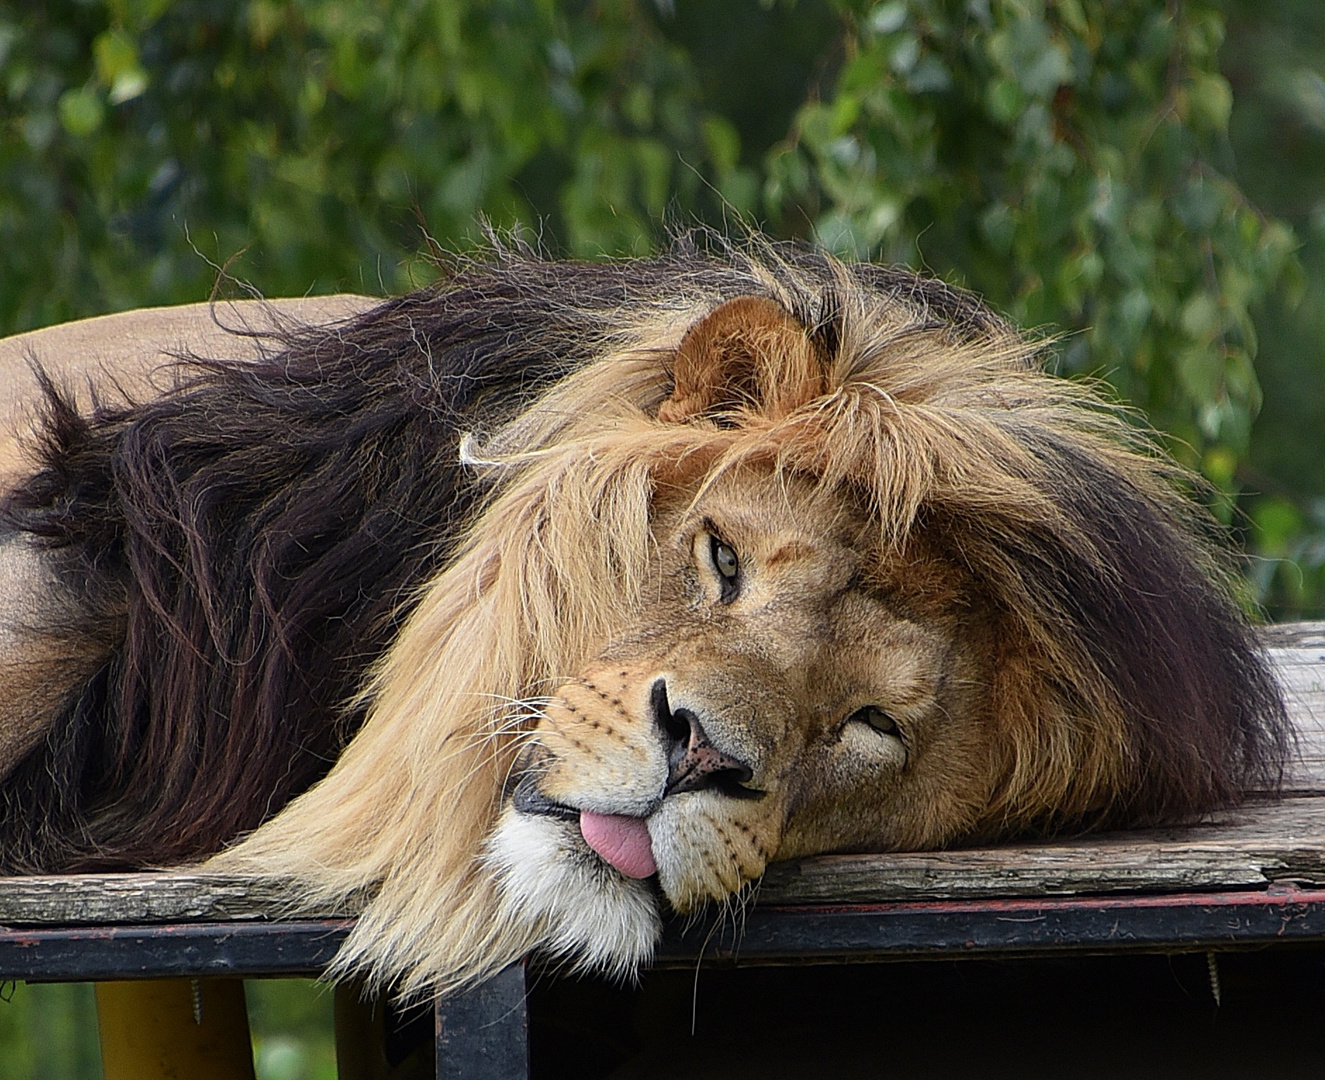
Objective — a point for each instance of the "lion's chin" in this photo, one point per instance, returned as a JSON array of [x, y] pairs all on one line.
[[577, 906]]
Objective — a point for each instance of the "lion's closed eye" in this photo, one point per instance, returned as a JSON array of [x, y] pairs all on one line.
[[874, 731], [876, 718]]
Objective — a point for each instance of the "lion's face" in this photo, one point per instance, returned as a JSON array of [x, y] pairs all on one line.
[[786, 689]]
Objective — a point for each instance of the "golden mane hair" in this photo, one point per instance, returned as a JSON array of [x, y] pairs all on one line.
[[1128, 687], [1048, 494]]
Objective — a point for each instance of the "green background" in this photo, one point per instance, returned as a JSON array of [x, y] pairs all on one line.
[[1141, 178]]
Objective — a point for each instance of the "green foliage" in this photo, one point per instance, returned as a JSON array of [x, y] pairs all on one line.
[[292, 1026], [1275, 60], [1064, 161], [1071, 160], [48, 1031], [143, 138]]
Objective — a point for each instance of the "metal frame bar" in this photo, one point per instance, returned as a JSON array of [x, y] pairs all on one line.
[[768, 935], [99, 953], [1155, 923], [484, 1033]]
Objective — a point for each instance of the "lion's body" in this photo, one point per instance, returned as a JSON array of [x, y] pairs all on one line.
[[664, 568]]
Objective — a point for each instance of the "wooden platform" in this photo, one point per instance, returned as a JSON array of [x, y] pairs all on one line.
[[1248, 877]]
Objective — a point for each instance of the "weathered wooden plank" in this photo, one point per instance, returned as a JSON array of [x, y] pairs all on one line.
[[1297, 651], [146, 898], [1294, 635], [1252, 846]]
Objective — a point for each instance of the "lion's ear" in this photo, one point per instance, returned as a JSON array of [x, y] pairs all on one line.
[[747, 353]]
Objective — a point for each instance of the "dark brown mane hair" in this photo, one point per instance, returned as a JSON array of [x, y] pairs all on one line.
[[247, 545], [1129, 588]]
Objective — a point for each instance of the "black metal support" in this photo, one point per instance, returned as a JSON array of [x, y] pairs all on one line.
[[1164, 923], [483, 1034], [1171, 922], [98, 953]]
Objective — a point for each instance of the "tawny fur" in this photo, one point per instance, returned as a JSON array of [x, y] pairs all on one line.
[[1117, 682]]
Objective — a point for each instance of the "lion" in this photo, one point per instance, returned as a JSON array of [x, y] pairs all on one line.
[[532, 607]]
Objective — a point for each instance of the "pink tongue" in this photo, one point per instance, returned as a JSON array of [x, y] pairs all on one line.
[[621, 841]]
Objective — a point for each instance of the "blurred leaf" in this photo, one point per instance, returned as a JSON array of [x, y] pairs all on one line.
[[1278, 523], [1200, 316], [887, 18], [118, 67], [1210, 100], [81, 111]]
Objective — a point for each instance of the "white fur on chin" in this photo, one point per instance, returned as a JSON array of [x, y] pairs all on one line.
[[580, 907]]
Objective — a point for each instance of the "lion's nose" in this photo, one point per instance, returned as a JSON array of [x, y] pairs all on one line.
[[693, 762]]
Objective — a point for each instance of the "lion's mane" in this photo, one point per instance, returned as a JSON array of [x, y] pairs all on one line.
[[408, 524]]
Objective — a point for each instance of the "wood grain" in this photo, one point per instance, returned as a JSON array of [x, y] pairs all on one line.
[[1250, 847], [170, 896], [1297, 651]]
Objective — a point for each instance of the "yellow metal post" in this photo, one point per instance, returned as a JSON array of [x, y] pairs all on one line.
[[174, 1029]]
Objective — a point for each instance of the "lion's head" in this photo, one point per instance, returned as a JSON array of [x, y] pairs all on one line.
[[786, 688], [813, 568]]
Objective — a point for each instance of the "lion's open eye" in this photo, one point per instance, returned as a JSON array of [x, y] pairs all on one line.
[[727, 566], [876, 718]]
